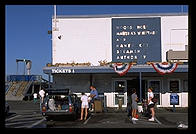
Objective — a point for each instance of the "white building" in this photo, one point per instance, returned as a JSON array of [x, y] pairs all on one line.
[[81, 43]]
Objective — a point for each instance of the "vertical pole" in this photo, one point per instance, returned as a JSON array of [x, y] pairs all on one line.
[[55, 15], [49, 80], [24, 67], [140, 86], [16, 67], [91, 80], [182, 8]]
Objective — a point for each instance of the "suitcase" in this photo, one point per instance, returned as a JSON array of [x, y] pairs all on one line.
[[98, 106]]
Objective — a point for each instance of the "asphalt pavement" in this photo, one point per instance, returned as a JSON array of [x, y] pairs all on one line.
[[26, 114]]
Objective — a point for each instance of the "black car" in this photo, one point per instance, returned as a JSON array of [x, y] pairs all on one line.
[[60, 103]]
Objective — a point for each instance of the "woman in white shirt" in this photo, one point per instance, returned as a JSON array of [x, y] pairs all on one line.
[[150, 103], [84, 105]]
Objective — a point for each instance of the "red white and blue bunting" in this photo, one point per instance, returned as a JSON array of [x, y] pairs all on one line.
[[164, 67], [121, 68]]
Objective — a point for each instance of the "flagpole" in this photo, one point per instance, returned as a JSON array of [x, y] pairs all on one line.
[[55, 16]]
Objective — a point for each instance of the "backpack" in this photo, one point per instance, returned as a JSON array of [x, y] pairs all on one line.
[[154, 100]]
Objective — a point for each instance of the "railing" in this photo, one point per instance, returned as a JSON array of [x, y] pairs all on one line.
[[24, 77], [17, 88], [27, 87], [8, 86]]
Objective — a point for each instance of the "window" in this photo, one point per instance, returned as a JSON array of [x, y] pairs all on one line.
[[120, 86], [119, 97], [174, 85], [155, 86]]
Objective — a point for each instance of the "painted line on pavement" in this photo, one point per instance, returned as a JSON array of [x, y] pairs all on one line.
[[87, 120], [157, 121], [13, 117], [36, 123], [16, 123]]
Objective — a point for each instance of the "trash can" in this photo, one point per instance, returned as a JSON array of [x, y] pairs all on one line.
[[98, 106]]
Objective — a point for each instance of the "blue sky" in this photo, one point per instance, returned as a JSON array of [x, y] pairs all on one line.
[[27, 27]]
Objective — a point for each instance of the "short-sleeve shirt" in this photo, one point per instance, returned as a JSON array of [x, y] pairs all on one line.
[[94, 92], [35, 95], [84, 100], [133, 98], [41, 93], [150, 94]]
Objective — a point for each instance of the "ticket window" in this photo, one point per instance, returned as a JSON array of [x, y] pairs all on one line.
[[174, 86], [120, 86], [120, 92]]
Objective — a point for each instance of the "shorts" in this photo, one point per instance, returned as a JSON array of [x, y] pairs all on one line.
[[151, 106], [134, 106], [84, 105], [92, 100]]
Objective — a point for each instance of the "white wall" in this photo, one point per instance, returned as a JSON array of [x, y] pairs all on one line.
[[89, 39], [82, 40], [174, 33], [165, 100]]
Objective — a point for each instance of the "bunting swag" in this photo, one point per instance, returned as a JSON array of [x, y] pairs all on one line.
[[121, 68], [164, 67]]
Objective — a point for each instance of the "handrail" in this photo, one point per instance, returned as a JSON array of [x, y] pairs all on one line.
[[16, 89], [27, 86], [8, 87]]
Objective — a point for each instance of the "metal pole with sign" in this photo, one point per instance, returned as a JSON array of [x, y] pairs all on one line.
[[174, 100]]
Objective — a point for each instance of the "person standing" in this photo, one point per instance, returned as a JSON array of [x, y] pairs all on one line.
[[151, 104], [84, 105], [134, 105], [93, 95], [42, 94], [35, 98]]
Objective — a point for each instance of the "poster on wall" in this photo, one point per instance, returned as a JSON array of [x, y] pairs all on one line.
[[136, 40]]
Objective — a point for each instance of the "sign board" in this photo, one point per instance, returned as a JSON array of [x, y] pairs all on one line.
[[136, 40], [174, 99]]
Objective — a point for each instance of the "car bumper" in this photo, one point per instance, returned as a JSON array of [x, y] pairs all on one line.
[[58, 113]]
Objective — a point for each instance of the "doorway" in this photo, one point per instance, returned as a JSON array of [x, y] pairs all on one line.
[[134, 83]]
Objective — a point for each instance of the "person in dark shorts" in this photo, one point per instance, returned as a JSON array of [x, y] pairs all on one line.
[[151, 104]]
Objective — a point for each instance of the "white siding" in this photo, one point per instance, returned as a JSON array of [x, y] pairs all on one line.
[[82, 40], [174, 34]]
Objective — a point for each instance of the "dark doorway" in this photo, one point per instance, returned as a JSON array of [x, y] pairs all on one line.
[[134, 83]]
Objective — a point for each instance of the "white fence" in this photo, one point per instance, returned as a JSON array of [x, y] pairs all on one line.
[[164, 99]]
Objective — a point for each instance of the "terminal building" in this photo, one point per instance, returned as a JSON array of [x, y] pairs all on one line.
[[117, 53]]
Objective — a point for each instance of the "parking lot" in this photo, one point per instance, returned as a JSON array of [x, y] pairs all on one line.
[[27, 115]]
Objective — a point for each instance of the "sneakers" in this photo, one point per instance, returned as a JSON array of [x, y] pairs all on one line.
[[135, 119], [151, 119]]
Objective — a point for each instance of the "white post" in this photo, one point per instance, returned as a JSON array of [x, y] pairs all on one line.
[[55, 15]]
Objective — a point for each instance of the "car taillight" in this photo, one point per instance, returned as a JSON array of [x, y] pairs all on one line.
[[43, 109], [70, 108]]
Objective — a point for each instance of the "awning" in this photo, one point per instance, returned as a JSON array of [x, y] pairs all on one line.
[[104, 69]]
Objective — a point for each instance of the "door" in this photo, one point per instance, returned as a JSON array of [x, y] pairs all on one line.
[[134, 83]]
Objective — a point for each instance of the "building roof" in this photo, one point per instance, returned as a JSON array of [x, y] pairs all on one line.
[[104, 69], [121, 15]]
